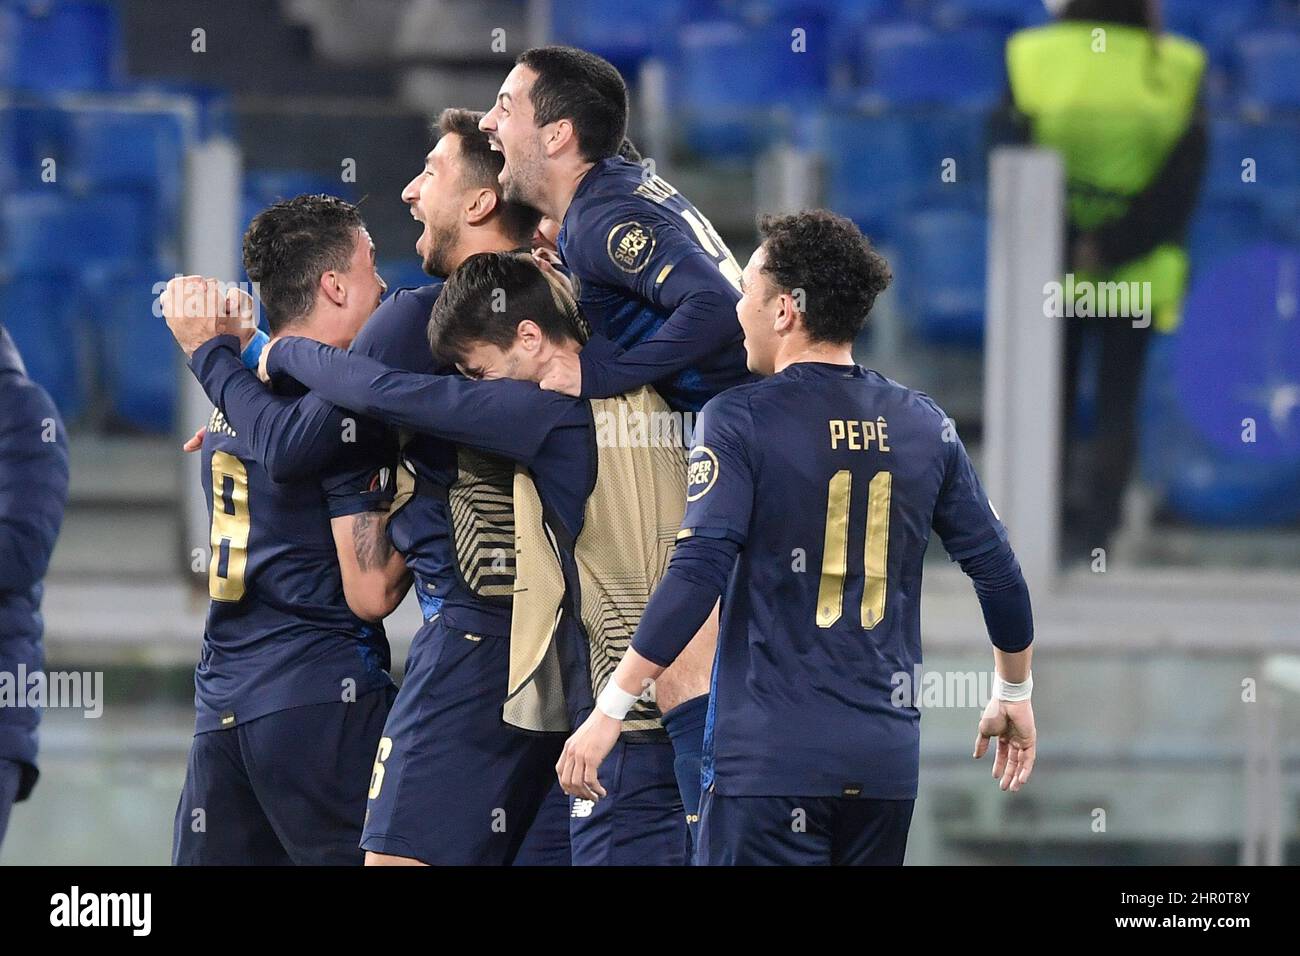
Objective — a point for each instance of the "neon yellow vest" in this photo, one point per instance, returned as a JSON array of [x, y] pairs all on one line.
[[1114, 113]]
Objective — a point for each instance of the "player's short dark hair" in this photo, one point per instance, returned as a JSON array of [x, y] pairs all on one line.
[[579, 86], [829, 258], [290, 244], [481, 165], [627, 149], [488, 295]]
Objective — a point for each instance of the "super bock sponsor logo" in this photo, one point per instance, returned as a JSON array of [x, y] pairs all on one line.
[[630, 245]]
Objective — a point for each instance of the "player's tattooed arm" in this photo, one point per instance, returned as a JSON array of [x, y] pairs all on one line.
[[370, 538], [375, 578]]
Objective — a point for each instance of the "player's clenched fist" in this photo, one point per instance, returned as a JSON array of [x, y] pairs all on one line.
[[196, 310]]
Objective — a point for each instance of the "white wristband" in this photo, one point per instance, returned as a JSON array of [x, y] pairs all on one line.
[[1005, 690], [614, 701]]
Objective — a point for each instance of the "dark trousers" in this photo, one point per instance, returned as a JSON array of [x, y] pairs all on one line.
[[1094, 477]]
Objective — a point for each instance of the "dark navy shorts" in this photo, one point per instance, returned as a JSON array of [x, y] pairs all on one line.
[[287, 788], [453, 784], [640, 822], [801, 831]]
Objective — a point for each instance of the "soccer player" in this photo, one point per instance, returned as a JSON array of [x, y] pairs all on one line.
[[808, 760], [453, 783], [292, 688], [594, 516], [33, 492], [655, 281]]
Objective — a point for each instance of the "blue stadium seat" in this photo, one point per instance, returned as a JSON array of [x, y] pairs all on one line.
[[913, 65], [215, 111], [941, 262], [958, 134], [999, 16], [10, 167], [127, 151], [873, 166], [140, 360], [266, 186], [1222, 227], [40, 312], [730, 76], [623, 33], [1197, 483], [1270, 70], [35, 135], [877, 164], [1214, 24], [1272, 146], [50, 232], [59, 45], [125, 148], [1240, 332]]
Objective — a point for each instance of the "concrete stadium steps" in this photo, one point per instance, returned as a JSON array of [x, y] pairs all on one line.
[[158, 44], [122, 521]]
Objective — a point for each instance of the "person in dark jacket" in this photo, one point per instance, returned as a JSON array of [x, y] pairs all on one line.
[[33, 491]]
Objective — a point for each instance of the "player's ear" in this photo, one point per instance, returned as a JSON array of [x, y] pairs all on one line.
[[530, 334], [332, 288], [560, 136], [484, 202], [784, 320]]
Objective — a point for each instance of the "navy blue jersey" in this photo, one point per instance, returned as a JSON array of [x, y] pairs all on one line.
[[830, 479], [397, 335], [654, 279], [552, 434], [302, 438], [279, 631]]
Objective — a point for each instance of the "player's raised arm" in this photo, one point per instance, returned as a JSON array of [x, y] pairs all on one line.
[[973, 534], [292, 437], [489, 417]]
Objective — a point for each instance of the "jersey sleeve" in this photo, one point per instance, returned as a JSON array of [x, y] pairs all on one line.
[[292, 437], [721, 472], [964, 517], [363, 483], [507, 418], [634, 247]]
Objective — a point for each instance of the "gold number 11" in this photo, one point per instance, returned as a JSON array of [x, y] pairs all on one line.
[[835, 552]]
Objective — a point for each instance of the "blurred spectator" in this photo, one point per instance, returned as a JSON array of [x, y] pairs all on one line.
[[33, 491], [1122, 104]]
